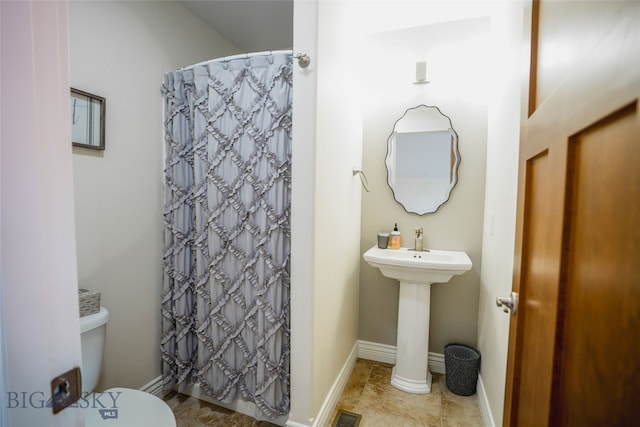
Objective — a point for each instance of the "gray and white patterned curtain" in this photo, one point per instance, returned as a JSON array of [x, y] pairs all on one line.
[[225, 304]]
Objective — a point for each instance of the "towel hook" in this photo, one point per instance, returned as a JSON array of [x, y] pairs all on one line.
[[363, 178]]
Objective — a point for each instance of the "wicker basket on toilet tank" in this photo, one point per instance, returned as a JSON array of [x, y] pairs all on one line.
[[89, 301]]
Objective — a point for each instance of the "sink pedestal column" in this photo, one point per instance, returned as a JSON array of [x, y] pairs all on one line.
[[410, 373]]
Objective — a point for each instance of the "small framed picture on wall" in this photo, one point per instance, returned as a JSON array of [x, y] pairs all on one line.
[[87, 120]]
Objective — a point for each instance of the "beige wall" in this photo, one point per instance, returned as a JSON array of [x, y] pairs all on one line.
[[503, 68], [121, 50], [500, 201], [455, 53]]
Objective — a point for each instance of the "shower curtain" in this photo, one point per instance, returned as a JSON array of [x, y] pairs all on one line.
[[225, 302]]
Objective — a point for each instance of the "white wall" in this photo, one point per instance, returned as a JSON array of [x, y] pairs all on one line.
[[500, 203], [303, 216], [327, 142], [39, 312], [456, 53], [337, 194], [121, 50]]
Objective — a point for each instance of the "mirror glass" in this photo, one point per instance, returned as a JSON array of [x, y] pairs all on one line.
[[422, 159]]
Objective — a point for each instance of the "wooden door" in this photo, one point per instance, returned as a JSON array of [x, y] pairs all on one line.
[[574, 343]]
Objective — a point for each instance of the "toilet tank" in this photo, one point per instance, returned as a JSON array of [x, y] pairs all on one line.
[[93, 330]]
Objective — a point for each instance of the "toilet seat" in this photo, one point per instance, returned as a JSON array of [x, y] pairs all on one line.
[[125, 407]]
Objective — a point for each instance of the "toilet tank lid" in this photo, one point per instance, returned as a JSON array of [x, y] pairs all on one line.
[[93, 321]]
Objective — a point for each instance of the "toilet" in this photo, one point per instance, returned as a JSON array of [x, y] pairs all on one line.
[[115, 407]]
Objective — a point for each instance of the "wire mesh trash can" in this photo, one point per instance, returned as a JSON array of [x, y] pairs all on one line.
[[461, 365]]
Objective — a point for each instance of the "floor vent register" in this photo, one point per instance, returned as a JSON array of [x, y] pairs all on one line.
[[346, 419]]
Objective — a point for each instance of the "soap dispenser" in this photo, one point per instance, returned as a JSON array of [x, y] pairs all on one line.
[[395, 238]]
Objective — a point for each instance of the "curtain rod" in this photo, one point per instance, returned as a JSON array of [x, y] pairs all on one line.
[[239, 56]]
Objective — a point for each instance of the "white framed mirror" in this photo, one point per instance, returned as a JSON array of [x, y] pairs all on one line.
[[422, 159]]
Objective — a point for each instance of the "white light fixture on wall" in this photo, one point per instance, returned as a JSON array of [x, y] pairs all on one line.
[[421, 73]]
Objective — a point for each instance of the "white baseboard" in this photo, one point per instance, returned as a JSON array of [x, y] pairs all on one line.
[[378, 352], [387, 354], [154, 387], [330, 402], [483, 402]]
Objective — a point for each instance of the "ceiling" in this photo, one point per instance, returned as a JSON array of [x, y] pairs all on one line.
[[252, 25]]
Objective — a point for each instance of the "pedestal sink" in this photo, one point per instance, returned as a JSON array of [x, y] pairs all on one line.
[[416, 271]]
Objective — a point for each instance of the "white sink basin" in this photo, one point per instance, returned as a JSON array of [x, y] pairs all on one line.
[[425, 267], [416, 271]]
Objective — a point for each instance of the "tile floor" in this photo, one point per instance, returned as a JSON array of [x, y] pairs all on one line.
[[192, 412], [368, 393]]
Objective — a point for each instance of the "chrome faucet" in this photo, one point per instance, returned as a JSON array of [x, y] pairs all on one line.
[[418, 241]]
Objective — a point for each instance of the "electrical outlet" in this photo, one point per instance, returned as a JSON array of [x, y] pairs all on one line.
[[65, 390]]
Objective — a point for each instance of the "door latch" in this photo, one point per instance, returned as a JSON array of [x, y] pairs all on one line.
[[65, 390], [508, 304]]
